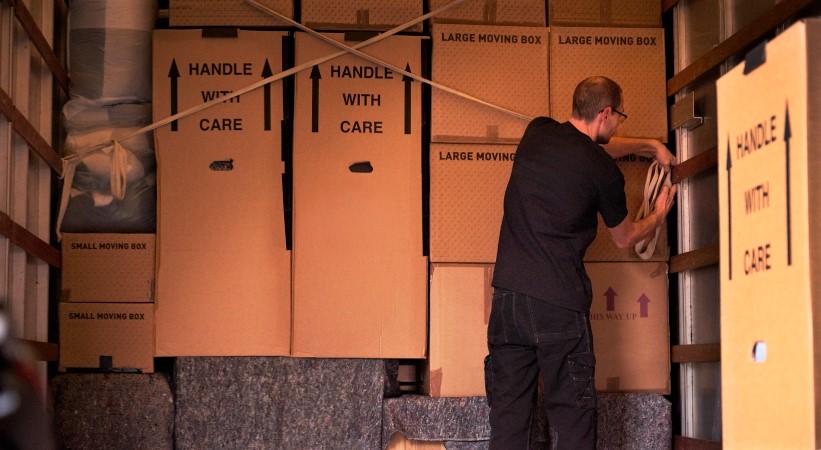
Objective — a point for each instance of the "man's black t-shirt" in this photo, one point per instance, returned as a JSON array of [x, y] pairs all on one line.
[[561, 180]]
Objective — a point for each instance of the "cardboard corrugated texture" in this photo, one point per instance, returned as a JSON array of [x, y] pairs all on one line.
[[604, 13], [493, 12], [106, 267], [768, 139], [360, 14], [203, 13], [467, 188], [107, 336], [223, 269], [460, 299], [632, 57], [359, 284], [602, 249], [479, 60]]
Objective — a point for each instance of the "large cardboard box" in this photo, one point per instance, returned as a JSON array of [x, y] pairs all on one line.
[[223, 269], [360, 273], [604, 13], [769, 139], [107, 267], [632, 57], [467, 189], [602, 249], [360, 14], [476, 60], [209, 13], [460, 299], [107, 336], [629, 317], [631, 326], [496, 12]]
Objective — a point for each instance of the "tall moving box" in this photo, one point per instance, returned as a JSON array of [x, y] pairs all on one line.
[[360, 272], [223, 269], [769, 119]]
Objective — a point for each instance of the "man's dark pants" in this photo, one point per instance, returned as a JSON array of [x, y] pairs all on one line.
[[528, 336]]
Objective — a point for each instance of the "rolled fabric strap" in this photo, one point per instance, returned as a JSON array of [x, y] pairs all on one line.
[[70, 163], [656, 178]]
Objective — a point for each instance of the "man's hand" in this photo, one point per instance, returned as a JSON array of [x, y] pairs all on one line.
[[662, 155]]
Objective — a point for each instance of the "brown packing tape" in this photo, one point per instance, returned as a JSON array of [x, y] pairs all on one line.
[[435, 382], [488, 292], [613, 383], [489, 11], [606, 11]]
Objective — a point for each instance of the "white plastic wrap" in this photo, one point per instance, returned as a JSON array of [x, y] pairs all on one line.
[[109, 50]]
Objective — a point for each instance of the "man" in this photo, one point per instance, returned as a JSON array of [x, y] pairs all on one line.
[[562, 179]]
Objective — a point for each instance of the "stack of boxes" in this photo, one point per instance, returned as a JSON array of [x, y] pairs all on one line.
[[472, 149], [291, 217], [106, 309]]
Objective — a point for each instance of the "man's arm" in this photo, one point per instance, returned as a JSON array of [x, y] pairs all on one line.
[[621, 146], [628, 233]]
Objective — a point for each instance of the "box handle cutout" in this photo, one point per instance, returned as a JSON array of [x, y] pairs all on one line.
[[361, 167], [222, 166], [760, 352]]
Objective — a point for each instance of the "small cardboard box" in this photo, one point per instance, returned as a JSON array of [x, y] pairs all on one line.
[[604, 13], [223, 267], [632, 57], [769, 142], [236, 13], [360, 14], [497, 12], [602, 249], [107, 336], [475, 60], [460, 298], [106, 267], [631, 326], [360, 273], [467, 189]]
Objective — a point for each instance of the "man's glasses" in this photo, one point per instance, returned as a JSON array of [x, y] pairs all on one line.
[[622, 115]]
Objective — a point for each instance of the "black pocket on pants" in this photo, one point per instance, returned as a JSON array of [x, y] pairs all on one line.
[[488, 378], [582, 368]]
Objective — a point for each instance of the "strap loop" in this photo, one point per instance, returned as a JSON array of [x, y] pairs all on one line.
[[656, 178]]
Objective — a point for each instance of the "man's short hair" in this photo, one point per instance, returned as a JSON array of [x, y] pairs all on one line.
[[593, 95]]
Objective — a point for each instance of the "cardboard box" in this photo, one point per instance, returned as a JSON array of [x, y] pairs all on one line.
[[107, 336], [629, 317], [768, 141], [604, 13], [632, 57], [467, 189], [360, 14], [223, 269], [497, 12], [400, 442], [107, 267], [476, 60], [237, 13], [460, 299], [631, 326], [359, 285], [602, 248]]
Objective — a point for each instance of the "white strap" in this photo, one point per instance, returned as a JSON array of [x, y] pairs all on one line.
[[120, 156], [353, 50], [656, 178]]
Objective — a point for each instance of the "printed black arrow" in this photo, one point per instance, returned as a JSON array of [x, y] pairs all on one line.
[[787, 136], [266, 96], [729, 210], [644, 308], [407, 80], [315, 77], [173, 74]]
